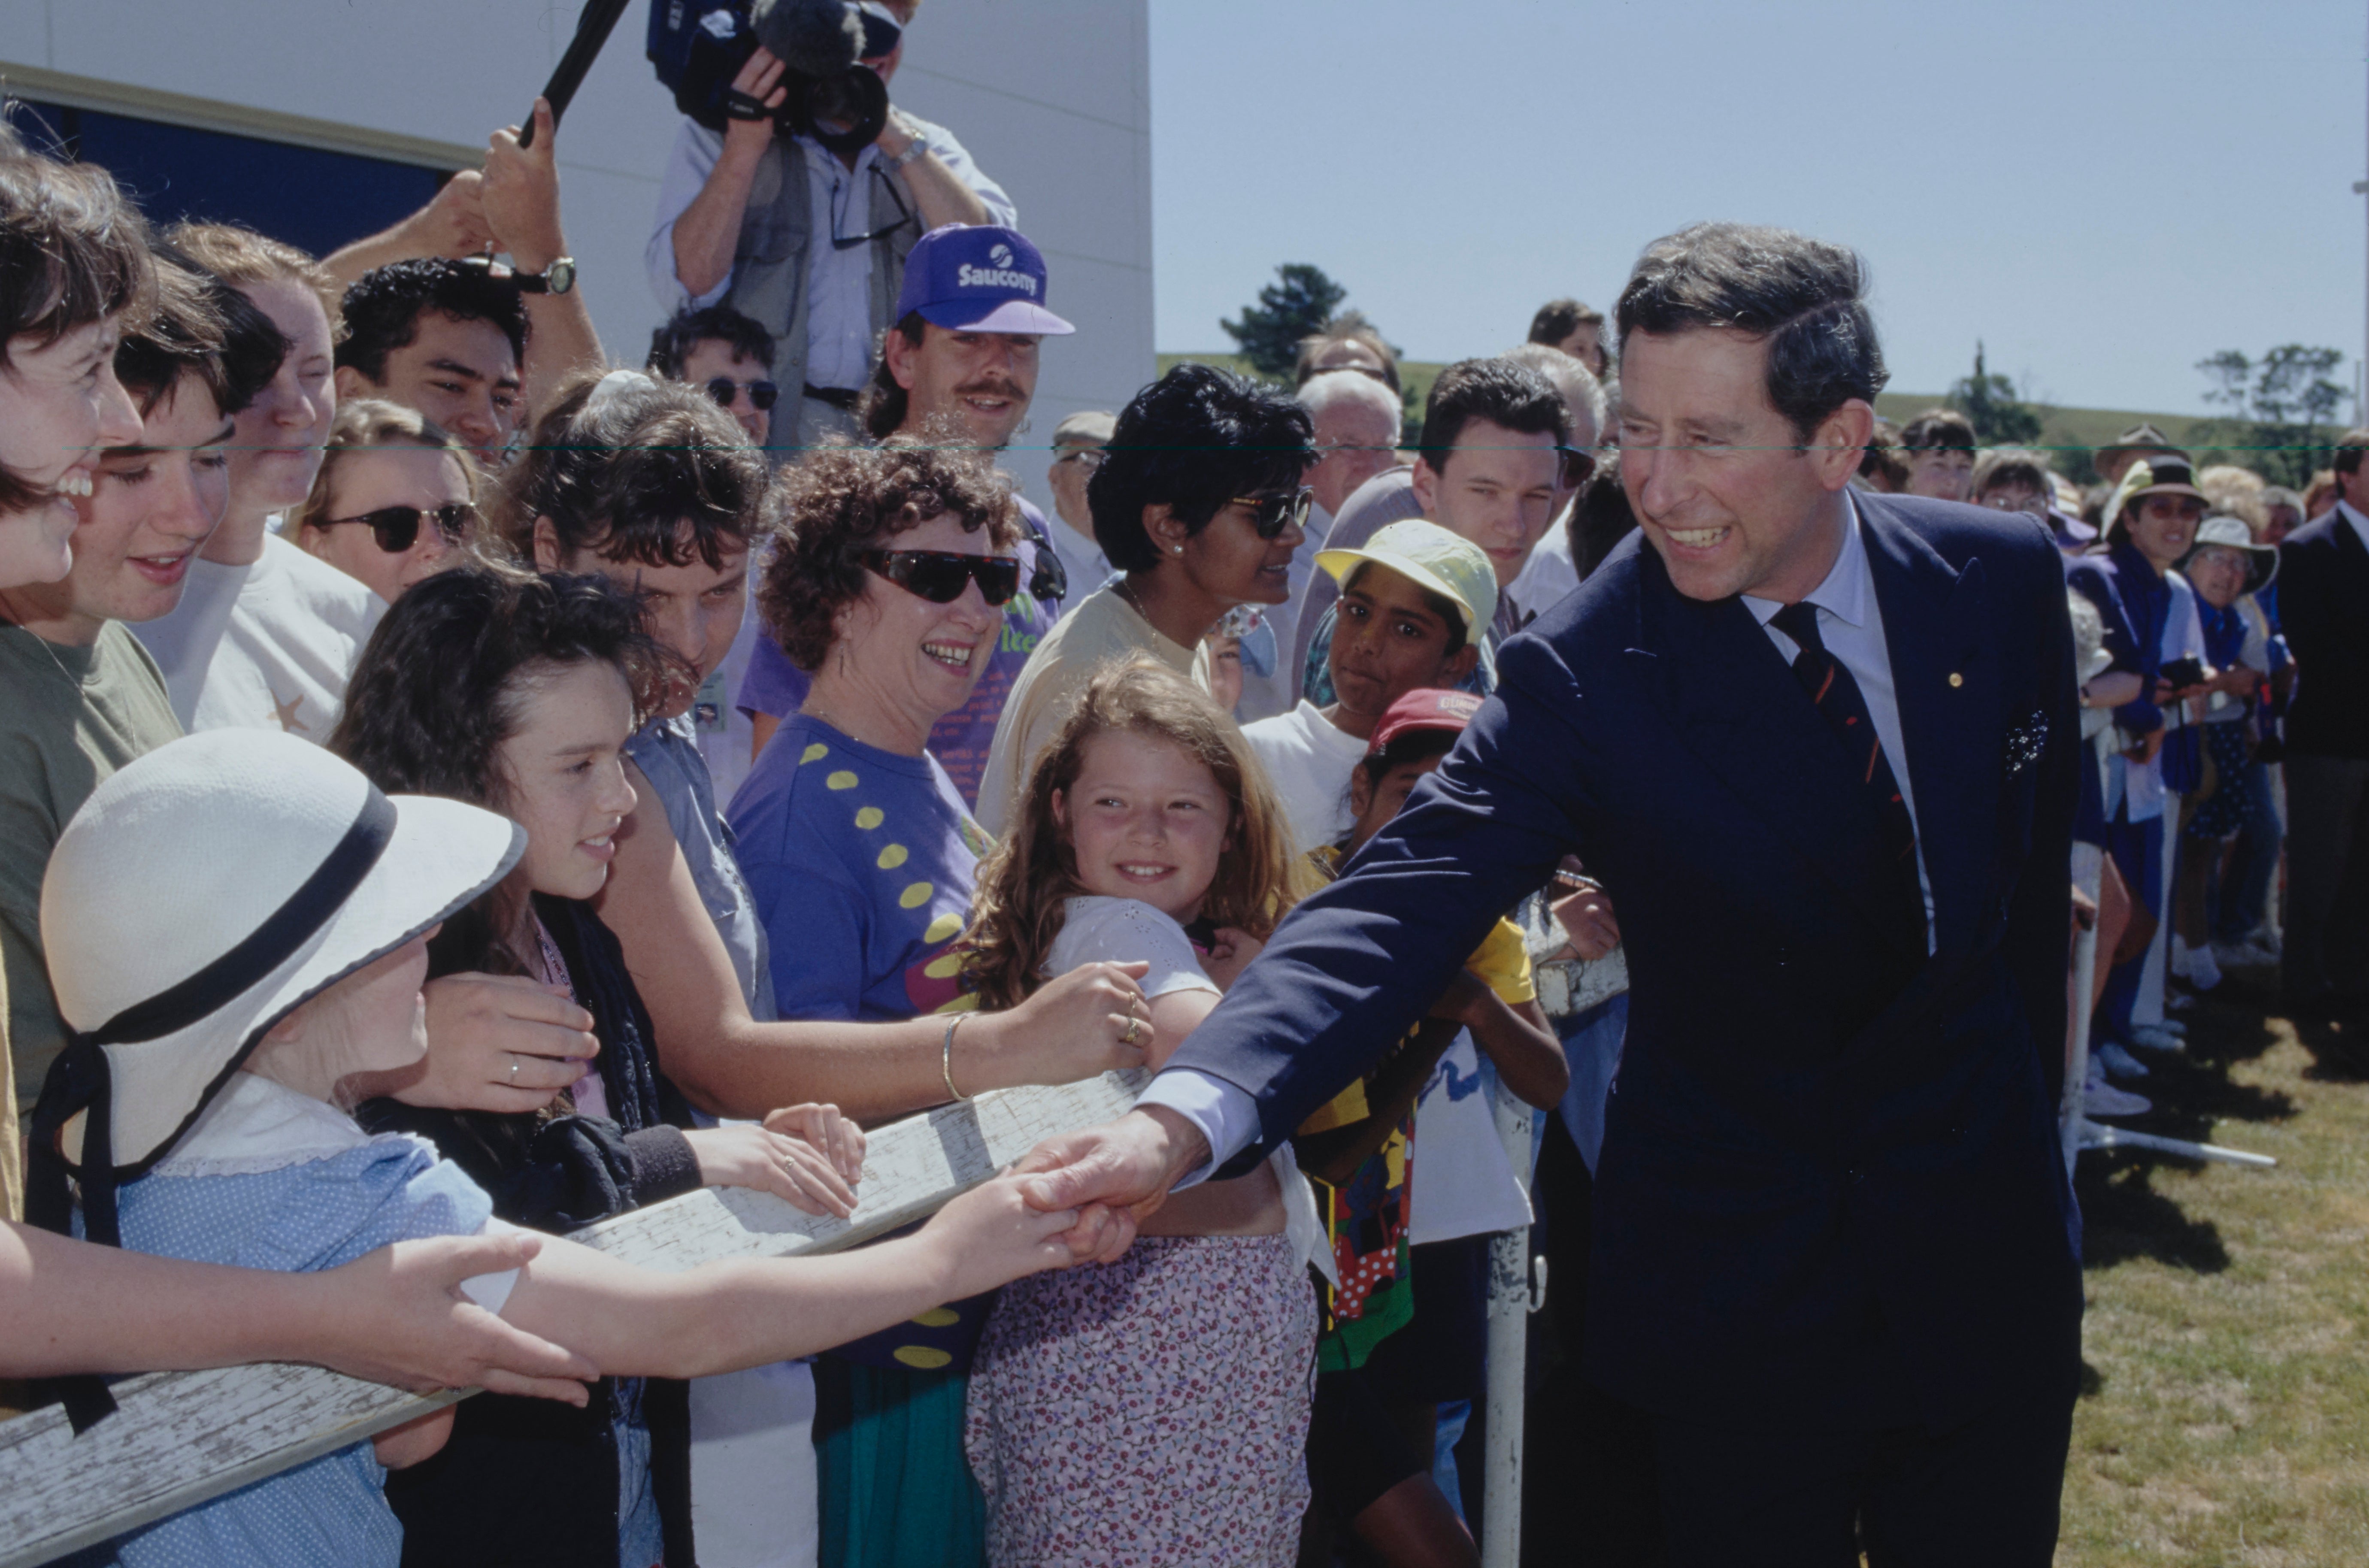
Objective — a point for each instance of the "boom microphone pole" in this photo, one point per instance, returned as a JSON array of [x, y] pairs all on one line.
[[593, 26]]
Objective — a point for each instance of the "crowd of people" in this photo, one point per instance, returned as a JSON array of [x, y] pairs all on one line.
[[455, 790]]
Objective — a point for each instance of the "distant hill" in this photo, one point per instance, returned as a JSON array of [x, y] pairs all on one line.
[[2061, 427]]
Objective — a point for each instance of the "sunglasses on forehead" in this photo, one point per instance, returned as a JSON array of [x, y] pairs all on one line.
[[1271, 512], [1577, 467], [939, 575], [398, 528], [763, 395]]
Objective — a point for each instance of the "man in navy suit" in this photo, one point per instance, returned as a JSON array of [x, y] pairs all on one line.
[[2323, 606], [1819, 747]]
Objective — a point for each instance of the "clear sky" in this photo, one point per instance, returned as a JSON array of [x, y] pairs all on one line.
[[2105, 191]]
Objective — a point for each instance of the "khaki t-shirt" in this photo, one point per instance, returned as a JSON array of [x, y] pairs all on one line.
[[1103, 626], [69, 718]]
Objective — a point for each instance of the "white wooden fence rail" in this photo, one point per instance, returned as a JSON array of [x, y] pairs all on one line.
[[181, 1437]]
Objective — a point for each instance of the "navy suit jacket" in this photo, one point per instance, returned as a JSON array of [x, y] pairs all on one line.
[[1830, 1186], [2324, 610]]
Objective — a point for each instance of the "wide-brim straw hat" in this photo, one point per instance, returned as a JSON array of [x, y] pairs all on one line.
[[2159, 474], [2223, 532], [203, 894]]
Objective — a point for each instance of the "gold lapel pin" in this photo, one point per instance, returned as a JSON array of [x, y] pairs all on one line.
[[1956, 679]]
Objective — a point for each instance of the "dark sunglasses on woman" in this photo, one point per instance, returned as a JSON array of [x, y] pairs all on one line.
[[398, 528], [763, 395], [1269, 514], [938, 575]]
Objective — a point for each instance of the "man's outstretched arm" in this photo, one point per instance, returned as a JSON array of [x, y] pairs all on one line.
[[1359, 962]]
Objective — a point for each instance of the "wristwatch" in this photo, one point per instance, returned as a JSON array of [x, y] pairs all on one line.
[[913, 150], [556, 278]]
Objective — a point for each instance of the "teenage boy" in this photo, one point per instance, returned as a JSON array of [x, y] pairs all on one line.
[[1413, 604], [83, 697], [727, 354], [1490, 467], [959, 366]]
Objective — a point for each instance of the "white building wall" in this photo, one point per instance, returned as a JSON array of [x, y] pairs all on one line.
[[1051, 97]]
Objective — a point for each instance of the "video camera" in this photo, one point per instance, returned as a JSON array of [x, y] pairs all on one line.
[[699, 46]]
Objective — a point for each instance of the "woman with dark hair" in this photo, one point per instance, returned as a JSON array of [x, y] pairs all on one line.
[[888, 586], [1199, 503], [518, 693]]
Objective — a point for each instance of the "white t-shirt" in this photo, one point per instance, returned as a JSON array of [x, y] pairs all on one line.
[[1550, 574], [1096, 928], [1464, 1185], [266, 645], [1308, 759]]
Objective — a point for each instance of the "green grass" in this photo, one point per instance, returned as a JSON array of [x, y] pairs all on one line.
[[2225, 1413]]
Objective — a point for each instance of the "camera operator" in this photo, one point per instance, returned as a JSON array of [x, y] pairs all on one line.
[[811, 243]]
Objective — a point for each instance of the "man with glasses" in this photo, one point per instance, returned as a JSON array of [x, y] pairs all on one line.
[[726, 353], [1078, 444], [958, 369], [808, 242]]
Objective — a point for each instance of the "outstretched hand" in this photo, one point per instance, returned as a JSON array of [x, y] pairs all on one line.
[[397, 1316], [1128, 1166]]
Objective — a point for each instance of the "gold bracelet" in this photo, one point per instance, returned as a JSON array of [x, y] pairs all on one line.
[[946, 1062]]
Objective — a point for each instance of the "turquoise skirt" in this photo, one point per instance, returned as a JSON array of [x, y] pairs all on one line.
[[896, 1491]]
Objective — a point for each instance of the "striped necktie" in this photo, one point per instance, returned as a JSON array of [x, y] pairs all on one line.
[[1837, 696]]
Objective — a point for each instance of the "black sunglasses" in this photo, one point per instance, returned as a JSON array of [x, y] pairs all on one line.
[[1270, 513], [1578, 466], [938, 575], [763, 394], [398, 528], [904, 216]]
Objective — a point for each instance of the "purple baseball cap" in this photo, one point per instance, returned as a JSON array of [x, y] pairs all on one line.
[[978, 278]]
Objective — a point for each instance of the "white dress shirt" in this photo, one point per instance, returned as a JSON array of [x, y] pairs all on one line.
[[1851, 623], [840, 329], [2360, 524]]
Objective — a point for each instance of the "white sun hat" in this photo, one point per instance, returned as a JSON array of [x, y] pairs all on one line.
[[200, 895]]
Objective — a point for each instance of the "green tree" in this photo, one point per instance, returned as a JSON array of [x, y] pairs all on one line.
[[2279, 404], [1300, 301], [1990, 404]]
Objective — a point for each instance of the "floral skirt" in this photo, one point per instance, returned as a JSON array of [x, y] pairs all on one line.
[[1149, 1412]]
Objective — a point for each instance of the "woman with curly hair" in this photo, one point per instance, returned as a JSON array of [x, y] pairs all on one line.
[[887, 587]]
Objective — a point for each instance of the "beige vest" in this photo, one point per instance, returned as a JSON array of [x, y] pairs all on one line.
[[769, 266]]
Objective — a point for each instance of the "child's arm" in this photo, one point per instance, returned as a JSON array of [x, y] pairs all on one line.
[[723, 1316], [1515, 1037]]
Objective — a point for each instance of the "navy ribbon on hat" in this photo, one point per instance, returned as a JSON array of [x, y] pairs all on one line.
[[79, 1081]]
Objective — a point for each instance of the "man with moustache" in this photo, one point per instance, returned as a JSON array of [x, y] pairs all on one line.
[[1819, 746], [959, 367]]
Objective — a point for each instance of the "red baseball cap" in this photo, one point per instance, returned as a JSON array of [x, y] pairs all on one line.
[[1425, 707]]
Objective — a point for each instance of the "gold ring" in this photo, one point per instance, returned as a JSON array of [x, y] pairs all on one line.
[[1133, 1023], [514, 1067]]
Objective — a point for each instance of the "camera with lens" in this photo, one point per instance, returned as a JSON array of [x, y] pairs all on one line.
[[698, 47]]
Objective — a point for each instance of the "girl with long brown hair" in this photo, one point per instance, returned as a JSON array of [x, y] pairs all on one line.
[[1156, 1406]]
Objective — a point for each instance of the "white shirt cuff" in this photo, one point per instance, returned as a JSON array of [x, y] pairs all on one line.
[[1227, 1116]]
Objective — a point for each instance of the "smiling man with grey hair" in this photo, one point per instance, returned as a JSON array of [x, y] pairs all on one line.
[[1820, 747]]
